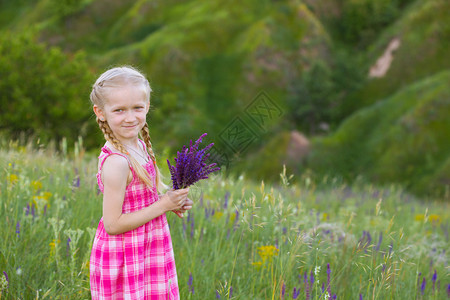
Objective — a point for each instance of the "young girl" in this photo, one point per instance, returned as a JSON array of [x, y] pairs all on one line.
[[132, 255]]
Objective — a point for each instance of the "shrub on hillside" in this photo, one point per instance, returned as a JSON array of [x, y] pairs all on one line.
[[43, 92]]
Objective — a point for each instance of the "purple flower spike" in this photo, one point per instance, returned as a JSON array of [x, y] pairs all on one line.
[[190, 165], [68, 246], [380, 239], [328, 279], [422, 287], [227, 196], [360, 297], [295, 293], [433, 279], [190, 281], [18, 228]]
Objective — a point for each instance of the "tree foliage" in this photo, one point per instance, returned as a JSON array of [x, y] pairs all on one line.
[[43, 91]]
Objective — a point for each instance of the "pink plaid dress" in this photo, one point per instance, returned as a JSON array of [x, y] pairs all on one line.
[[138, 264]]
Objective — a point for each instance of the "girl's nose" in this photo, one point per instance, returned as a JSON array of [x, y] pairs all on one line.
[[130, 116]]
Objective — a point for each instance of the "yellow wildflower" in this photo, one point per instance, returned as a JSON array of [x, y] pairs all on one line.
[[435, 219], [13, 178], [232, 217], [217, 215], [419, 217], [53, 246], [257, 264], [267, 252], [47, 195], [36, 185]]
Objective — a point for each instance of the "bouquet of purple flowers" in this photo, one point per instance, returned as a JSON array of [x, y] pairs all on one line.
[[191, 165]]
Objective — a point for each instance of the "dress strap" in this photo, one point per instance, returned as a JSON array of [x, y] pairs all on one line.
[[108, 152]]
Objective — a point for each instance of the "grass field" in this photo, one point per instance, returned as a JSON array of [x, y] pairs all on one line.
[[242, 240]]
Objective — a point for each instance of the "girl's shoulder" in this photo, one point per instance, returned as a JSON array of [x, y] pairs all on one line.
[[111, 155]]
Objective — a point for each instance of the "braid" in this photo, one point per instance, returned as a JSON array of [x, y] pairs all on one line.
[[146, 137], [109, 136]]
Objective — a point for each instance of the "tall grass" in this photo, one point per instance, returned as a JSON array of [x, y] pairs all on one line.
[[242, 240]]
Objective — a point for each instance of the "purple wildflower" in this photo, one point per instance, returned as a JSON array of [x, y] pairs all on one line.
[[225, 203], [190, 281], [190, 165], [391, 247], [334, 297], [18, 228], [236, 221], [283, 290], [27, 210], [217, 294], [231, 292], [360, 297], [379, 241], [76, 182], [422, 287], [433, 279], [306, 285], [448, 290], [295, 293], [68, 246], [328, 279]]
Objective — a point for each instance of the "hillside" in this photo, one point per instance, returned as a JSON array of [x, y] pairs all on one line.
[[404, 138], [423, 34], [210, 61]]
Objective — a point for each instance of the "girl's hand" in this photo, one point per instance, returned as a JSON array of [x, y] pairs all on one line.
[[187, 206], [175, 199]]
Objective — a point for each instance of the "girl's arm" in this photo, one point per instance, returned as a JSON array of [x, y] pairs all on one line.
[[115, 172]]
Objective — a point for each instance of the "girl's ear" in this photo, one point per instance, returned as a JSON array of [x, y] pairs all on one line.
[[98, 112], [148, 107]]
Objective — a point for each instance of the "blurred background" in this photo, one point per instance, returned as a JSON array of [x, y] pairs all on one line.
[[351, 89]]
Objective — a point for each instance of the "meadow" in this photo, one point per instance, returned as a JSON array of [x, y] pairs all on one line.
[[315, 239]]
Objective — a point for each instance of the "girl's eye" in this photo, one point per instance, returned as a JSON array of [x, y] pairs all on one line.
[[118, 110]]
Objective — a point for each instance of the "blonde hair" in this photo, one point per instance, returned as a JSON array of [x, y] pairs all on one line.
[[116, 78]]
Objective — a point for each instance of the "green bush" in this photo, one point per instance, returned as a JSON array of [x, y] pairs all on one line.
[[43, 92], [361, 21]]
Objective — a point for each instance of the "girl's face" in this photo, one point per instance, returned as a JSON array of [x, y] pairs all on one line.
[[125, 111]]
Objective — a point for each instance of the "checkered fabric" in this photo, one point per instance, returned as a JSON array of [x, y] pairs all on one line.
[[138, 264]]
